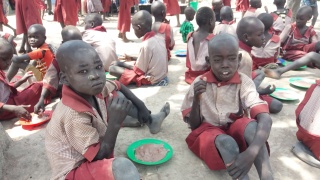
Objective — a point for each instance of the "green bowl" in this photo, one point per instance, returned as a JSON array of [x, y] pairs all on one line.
[[131, 151]]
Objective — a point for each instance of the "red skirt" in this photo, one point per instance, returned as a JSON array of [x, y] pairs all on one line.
[[66, 11], [242, 5], [201, 141], [296, 52], [27, 14], [106, 5], [3, 18], [124, 17], [99, 170], [311, 141], [41, 4], [172, 7], [227, 2]]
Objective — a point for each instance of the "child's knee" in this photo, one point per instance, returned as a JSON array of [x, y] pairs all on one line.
[[250, 131], [124, 169], [112, 68], [226, 143], [275, 106]]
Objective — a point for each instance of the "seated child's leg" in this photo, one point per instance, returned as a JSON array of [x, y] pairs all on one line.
[[132, 120], [304, 153], [124, 169], [116, 70], [261, 162]]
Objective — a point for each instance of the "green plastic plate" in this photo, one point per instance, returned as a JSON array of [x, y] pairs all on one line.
[[302, 82], [131, 151], [110, 77], [285, 94]]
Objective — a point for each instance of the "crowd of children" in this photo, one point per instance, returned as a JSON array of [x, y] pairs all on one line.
[[225, 107]]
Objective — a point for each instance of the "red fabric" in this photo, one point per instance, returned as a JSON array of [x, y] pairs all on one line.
[[172, 7], [226, 22], [41, 4], [201, 141], [100, 28], [166, 30], [310, 140], [98, 170], [66, 11], [133, 76], [245, 47], [257, 62], [3, 18], [106, 5], [124, 17], [27, 14], [227, 3], [242, 5], [267, 98]]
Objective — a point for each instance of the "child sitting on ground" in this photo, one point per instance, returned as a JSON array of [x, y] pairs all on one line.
[[14, 103], [85, 125], [187, 26], [254, 9], [267, 55], [250, 33], [281, 17], [96, 35], [216, 7], [51, 80], [158, 10], [298, 39], [150, 67], [42, 56], [222, 136], [197, 47], [308, 122], [227, 24], [314, 5]]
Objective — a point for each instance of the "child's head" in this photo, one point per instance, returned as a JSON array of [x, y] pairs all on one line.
[[217, 5], [226, 13], [304, 14], [158, 10], [266, 19], [81, 68], [93, 20], [256, 3], [36, 35], [189, 12], [250, 31], [6, 53], [279, 2], [206, 19], [141, 23], [224, 57], [70, 33]]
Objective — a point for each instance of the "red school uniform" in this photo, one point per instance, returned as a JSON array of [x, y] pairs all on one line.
[[66, 11], [295, 45], [221, 113], [3, 18], [196, 65], [280, 21], [166, 31], [172, 7], [267, 54], [308, 120], [124, 17], [226, 27], [106, 5]]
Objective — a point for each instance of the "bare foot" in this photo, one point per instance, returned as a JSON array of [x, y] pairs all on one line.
[[157, 119], [303, 153], [272, 73], [126, 40]]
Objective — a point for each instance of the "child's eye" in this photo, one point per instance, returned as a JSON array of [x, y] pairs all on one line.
[[216, 60], [99, 67], [83, 71]]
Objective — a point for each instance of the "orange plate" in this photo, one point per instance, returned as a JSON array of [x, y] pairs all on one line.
[[30, 124]]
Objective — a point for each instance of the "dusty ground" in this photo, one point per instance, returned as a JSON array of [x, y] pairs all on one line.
[[26, 158]]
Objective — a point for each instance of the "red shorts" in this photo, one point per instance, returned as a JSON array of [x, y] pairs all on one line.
[[310, 140], [296, 52], [130, 76], [267, 99], [201, 141], [98, 170]]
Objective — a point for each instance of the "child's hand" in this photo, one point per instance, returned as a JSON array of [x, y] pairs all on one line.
[[26, 76], [199, 88], [39, 107], [21, 112], [268, 90], [118, 109]]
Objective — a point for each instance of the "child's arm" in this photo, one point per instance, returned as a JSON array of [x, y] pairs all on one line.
[[23, 79], [21, 58], [40, 105], [117, 112], [143, 112], [19, 111], [195, 119]]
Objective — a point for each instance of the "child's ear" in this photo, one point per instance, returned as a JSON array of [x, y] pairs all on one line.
[[92, 24], [63, 78], [45, 37], [245, 37]]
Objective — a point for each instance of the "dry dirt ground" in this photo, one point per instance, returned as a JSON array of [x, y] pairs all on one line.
[[26, 156]]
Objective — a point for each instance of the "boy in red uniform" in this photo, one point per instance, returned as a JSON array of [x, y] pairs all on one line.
[[308, 122], [151, 67], [214, 107], [14, 103], [159, 26], [281, 17], [267, 55], [66, 12], [197, 45], [298, 39], [43, 55]]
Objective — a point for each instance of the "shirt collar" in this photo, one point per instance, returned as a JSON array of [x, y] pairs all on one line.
[[245, 47], [252, 9], [99, 28], [148, 35], [212, 79], [227, 22], [76, 102]]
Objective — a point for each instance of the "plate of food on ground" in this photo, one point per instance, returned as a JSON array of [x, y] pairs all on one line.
[[37, 119], [285, 94], [150, 151], [302, 82], [181, 53]]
